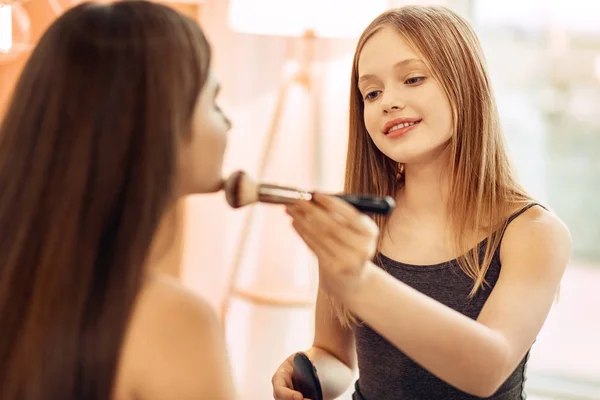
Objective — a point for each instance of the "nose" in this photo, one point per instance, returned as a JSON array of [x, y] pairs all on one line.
[[228, 122], [392, 101]]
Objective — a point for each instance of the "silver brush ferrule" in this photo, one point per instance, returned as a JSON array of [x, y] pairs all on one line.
[[281, 195]]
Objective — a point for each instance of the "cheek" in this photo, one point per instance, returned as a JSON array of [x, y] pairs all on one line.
[[371, 119], [445, 120], [219, 123], [438, 113], [209, 141], [211, 130]]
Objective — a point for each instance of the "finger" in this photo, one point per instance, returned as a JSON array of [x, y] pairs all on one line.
[[283, 393], [283, 376], [332, 252], [295, 207], [315, 214], [316, 228], [318, 222], [325, 248], [335, 204], [359, 221], [283, 387]]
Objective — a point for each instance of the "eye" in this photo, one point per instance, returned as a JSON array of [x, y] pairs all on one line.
[[372, 95], [415, 80]]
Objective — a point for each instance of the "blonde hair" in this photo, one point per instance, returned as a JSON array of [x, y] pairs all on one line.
[[483, 187]]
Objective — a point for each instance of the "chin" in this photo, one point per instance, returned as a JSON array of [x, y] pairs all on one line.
[[400, 157], [213, 186], [423, 156], [217, 186]]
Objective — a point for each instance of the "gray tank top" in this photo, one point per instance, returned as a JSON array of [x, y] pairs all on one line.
[[386, 373]]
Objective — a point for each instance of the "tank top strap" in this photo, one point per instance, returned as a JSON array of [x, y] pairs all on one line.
[[518, 213], [522, 210]]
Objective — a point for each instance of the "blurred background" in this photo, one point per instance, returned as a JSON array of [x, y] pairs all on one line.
[[285, 70]]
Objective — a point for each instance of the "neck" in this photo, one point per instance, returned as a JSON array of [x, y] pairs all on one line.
[[166, 251], [426, 188]]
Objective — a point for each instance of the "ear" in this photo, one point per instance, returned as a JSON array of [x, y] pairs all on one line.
[[400, 171]]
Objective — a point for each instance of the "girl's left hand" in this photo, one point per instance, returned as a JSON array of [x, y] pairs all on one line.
[[343, 239]]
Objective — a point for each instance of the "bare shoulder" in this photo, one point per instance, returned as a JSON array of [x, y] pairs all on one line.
[[538, 236], [165, 299], [174, 346], [540, 222]]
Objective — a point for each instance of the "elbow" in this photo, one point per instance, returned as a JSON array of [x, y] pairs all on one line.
[[489, 375], [485, 390], [484, 387]]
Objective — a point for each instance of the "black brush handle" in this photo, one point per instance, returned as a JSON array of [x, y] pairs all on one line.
[[370, 204]]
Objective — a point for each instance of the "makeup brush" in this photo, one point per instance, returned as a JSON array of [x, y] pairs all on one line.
[[241, 190]]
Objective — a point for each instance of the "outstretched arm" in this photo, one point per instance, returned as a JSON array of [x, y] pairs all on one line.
[[473, 356]]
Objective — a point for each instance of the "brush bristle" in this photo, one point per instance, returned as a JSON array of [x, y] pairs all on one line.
[[240, 189]]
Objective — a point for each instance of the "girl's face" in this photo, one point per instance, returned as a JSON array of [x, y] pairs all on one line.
[[203, 155], [406, 111]]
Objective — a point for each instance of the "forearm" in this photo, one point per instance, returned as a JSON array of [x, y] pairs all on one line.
[[335, 376], [455, 348]]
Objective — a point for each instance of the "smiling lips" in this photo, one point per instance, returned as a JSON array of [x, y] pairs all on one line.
[[399, 126]]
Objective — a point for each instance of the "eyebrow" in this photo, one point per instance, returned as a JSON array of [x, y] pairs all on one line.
[[399, 64]]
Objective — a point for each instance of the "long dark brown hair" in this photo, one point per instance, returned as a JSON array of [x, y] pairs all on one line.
[[88, 156]]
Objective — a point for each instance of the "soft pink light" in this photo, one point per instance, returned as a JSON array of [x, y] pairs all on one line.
[[326, 18]]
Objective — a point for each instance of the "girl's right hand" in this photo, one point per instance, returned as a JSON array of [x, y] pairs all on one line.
[[283, 389]]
